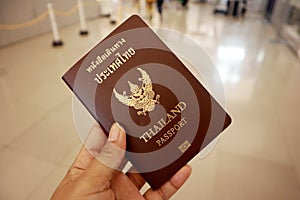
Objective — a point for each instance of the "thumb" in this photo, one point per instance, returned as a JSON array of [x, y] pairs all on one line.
[[102, 169]]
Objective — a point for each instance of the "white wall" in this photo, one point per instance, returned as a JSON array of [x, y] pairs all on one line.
[[19, 11]]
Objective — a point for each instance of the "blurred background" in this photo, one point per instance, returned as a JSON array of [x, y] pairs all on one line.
[[255, 45]]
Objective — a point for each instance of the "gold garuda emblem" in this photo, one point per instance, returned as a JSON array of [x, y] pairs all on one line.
[[141, 98]]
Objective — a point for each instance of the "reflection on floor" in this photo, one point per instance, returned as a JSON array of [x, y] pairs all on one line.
[[257, 158]]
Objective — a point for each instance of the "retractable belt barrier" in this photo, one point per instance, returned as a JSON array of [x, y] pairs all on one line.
[[52, 13]]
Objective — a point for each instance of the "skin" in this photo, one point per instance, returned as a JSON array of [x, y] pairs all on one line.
[[90, 179]]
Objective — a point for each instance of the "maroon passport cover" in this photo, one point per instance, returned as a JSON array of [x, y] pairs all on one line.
[[133, 78]]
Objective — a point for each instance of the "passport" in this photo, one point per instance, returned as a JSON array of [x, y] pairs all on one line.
[[133, 78]]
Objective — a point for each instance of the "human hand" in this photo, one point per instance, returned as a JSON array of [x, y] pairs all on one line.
[[90, 179]]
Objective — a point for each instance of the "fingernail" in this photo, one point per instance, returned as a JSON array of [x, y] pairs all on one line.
[[115, 132], [178, 178], [181, 176], [120, 127]]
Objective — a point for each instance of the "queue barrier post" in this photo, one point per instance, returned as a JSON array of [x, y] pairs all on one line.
[[56, 38], [83, 26]]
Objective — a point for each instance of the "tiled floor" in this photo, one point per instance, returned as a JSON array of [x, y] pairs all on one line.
[[258, 157]]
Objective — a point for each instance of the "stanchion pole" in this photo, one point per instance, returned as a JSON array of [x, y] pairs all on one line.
[[142, 7], [102, 6], [114, 11], [57, 41], [83, 26]]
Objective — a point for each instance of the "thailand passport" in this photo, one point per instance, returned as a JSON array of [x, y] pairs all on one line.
[[133, 78]]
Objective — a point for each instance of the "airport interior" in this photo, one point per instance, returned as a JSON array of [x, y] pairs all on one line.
[[254, 46]]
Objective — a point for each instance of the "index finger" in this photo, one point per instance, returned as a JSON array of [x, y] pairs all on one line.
[[94, 143], [171, 186], [135, 177]]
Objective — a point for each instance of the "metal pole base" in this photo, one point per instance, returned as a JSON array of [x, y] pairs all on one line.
[[83, 32], [57, 43], [112, 21]]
